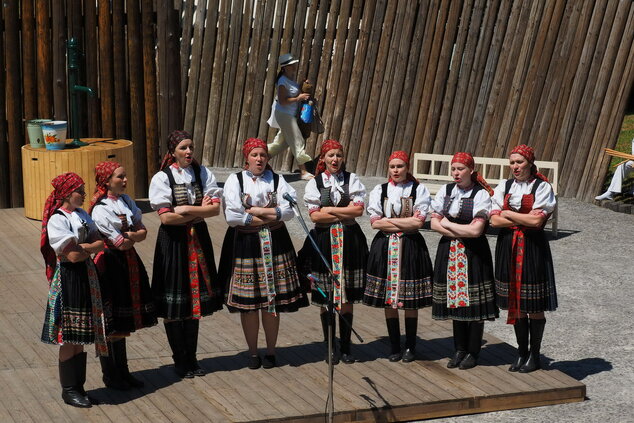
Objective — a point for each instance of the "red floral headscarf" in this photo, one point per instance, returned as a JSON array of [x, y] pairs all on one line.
[[249, 145], [175, 138], [467, 160], [529, 155], [326, 147], [103, 172], [401, 155], [63, 186]]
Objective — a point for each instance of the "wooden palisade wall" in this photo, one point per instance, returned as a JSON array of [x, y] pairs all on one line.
[[419, 75]]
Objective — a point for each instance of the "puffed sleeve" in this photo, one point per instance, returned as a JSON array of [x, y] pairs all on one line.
[[356, 190], [60, 235], [481, 205], [285, 211], [497, 200], [312, 198], [438, 203], [108, 224], [160, 193], [423, 202], [212, 189], [375, 208], [235, 214], [545, 200]]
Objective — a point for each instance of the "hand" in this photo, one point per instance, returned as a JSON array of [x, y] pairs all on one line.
[[182, 210], [207, 201], [303, 97]]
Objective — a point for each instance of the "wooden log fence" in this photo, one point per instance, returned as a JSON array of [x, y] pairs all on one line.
[[434, 76]]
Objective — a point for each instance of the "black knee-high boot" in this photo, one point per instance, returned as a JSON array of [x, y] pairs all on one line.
[[345, 332], [325, 316], [411, 328], [476, 329], [460, 342], [536, 334], [121, 360], [70, 377], [175, 332], [191, 345], [112, 376], [394, 332], [521, 335]]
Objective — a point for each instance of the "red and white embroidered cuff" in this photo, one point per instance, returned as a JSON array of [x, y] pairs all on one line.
[[359, 203], [164, 210], [215, 200], [375, 218], [537, 212], [478, 219], [495, 212], [118, 241], [418, 215], [435, 215], [312, 210]]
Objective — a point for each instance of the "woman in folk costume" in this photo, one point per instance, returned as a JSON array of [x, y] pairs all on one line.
[[464, 290], [258, 260], [74, 312], [524, 274], [399, 268], [334, 199], [184, 280], [126, 286]]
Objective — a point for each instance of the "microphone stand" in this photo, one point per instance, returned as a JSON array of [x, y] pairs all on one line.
[[331, 310]]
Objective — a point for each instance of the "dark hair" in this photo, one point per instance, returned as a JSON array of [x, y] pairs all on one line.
[[279, 75]]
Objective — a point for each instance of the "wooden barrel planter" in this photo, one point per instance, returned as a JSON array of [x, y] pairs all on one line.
[[40, 166]]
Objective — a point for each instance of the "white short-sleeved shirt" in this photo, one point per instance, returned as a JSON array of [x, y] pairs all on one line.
[[396, 191], [160, 192], [68, 229], [545, 200], [257, 188], [106, 216], [356, 190], [292, 90], [481, 202]]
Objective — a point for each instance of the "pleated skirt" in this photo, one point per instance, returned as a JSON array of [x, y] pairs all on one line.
[[242, 267], [171, 287], [355, 258], [416, 273], [537, 292], [482, 301], [131, 304]]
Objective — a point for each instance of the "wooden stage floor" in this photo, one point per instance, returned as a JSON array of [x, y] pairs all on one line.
[[372, 389]]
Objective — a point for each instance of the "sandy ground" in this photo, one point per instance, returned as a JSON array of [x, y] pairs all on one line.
[[590, 336]]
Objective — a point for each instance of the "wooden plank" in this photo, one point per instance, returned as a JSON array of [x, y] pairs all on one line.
[[43, 48], [121, 97], [106, 76], [5, 194], [193, 66], [149, 84], [186, 43], [137, 103], [91, 50], [29, 65], [13, 100]]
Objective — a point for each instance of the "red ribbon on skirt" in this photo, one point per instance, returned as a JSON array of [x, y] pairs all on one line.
[[515, 284]]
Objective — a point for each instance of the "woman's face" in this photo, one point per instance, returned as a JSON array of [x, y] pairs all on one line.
[[184, 153], [118, 181], [257, 160], [291, 70], [333, 160], [76, 198], [397, 170], [461, 174], [520, 167]]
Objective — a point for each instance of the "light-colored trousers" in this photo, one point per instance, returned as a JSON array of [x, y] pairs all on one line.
[[290, 136], [620, 173]]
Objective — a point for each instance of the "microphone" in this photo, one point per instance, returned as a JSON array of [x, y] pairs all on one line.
[[288, 198]]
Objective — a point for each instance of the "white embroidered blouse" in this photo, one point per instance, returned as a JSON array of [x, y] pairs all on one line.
[[356, 190], [160, 192], [70, 229], [106, 216], [256, 188], [396, 191], [545, 200], [481, 202]]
